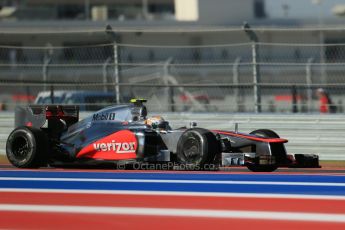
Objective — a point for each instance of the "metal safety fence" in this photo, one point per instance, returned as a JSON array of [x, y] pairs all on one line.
[[240, 70]]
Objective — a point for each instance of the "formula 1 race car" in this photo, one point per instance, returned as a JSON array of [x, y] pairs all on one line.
[[123, 134]]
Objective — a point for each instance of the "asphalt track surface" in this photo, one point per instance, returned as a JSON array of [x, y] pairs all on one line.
[[115, 199]]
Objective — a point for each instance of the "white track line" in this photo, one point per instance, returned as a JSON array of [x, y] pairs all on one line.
[[174, 181], [168, 193], [201, 213]]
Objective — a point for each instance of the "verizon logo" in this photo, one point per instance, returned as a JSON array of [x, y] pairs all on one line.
[[113, 146]]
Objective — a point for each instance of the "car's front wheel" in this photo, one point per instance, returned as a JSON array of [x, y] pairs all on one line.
[[263, 168], [27, 147], [197, 148]]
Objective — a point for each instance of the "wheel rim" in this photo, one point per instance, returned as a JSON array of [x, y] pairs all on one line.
[[20, 148], [192, 148]]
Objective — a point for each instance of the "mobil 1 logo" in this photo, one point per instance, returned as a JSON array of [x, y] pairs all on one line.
[[103, 117]]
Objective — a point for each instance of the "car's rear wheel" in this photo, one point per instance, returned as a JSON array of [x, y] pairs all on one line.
[[263, 168], [197, 148], [27, 147]]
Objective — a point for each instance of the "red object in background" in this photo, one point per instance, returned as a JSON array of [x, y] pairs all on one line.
[[324, 102], [286, 98], [23, 97], [202, 97]]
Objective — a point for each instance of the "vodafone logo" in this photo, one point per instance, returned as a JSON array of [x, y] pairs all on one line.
[[113, 146], [121, 145]]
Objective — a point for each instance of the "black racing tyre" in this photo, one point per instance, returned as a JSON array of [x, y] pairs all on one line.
[[27, 147], [263, 168], [265, 133], [197, 147]]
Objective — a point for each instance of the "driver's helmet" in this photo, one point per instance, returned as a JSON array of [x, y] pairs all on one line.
[[157, 122]]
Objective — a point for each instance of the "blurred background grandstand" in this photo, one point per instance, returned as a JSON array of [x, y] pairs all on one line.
[[193, 55]]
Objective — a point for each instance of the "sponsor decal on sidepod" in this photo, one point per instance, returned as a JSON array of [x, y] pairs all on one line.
[[117, 146], [124, 147]]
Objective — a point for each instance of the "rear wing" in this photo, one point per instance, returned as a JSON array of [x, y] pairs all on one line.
[[37, 115]]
